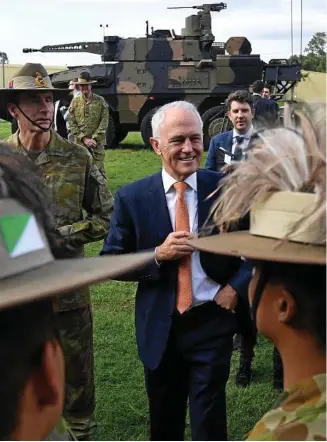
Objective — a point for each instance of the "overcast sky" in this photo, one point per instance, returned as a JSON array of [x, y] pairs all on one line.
[[266, 23]]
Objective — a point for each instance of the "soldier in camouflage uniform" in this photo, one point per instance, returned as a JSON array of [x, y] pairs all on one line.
[[74, 184], [33, 271], [287, 243], [88, 119]]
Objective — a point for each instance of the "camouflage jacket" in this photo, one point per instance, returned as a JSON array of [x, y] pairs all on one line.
[[74, 184], [299, 414], [88, 118]]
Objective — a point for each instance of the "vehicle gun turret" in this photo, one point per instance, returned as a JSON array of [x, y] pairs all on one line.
[[163, 66]]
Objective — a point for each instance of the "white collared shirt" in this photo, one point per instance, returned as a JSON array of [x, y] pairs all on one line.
[[247, 137], [203, 288]]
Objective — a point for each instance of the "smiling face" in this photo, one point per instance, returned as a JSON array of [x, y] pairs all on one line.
[[37, 106], [180, 143], [241, 115]]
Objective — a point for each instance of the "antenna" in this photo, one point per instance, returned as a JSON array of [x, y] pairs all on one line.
[[301, 35], [292, 48], [104, 29], [104, 34]]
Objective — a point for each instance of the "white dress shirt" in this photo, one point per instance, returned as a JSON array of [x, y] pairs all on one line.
[[203, 288], [247, 137]]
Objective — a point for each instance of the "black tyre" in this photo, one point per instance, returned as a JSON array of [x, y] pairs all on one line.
[[121, 134], [215, 122], [146, 129], [110, 133]]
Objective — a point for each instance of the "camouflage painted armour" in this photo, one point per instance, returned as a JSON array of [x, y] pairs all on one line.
[[300, 414], [90, 118], [74, 184]]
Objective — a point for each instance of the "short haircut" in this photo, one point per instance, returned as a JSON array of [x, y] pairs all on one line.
[[266, 86], [307, 285], [159, 116], [258, 86], [240, 97], [24, 329]]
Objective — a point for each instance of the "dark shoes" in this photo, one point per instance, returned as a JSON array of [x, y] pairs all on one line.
[[244, 375]]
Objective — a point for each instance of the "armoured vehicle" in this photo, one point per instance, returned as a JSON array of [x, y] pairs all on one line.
[[140, 74]]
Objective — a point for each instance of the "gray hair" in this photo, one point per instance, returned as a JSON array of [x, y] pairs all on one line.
[[159, 116]]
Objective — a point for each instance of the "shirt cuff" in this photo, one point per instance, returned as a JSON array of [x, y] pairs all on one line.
[[157, 262]]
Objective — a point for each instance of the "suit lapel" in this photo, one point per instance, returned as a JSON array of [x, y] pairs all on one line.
[[157, 208], [204, 203], [229, 141]]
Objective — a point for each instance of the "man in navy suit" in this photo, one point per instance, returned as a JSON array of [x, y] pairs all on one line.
[[232, 145], [266, 110], [186, 302]]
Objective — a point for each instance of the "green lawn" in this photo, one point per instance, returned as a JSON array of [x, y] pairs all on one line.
[[121, 402]]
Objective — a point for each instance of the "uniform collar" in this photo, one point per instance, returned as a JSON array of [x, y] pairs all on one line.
[[50, 149]]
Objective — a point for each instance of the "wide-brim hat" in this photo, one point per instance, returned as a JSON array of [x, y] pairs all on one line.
[[28, 270], [269, 238], [82, 81], [32, 76]]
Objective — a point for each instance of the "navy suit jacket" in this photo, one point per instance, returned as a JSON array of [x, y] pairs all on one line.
[[266, 112], [215, 159], [140, 223]]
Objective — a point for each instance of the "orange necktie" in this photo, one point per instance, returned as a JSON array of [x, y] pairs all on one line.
[[184, 274]]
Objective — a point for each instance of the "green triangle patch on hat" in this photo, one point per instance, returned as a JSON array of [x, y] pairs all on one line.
[[29, 271], [20, 234]]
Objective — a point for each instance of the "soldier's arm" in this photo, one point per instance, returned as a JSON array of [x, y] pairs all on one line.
[[100, 133], [98, 204], [73, 125]]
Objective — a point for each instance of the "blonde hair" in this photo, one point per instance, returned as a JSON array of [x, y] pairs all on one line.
[[289, 158]]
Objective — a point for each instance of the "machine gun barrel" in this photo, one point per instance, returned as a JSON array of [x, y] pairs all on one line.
[[91, 47], [207, 7]]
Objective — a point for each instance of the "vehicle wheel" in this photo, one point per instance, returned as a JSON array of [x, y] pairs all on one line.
[[214, 123], [146, 129], [110, 133], [121, 134]]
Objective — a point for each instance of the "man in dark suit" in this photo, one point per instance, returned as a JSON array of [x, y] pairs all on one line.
[[185, 301], [266, 110], [232, 145]]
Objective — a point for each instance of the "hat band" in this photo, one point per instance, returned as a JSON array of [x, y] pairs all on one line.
[[81, 80], [30, 83], [278, 213]]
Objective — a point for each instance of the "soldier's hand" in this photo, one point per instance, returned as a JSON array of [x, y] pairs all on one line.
[[227, 298], [89, 142], [175, 246]]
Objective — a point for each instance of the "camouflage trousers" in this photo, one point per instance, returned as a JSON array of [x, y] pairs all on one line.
[[98, 158], [76, 330]]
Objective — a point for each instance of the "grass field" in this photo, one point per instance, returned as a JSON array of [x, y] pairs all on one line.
[[121, 409]]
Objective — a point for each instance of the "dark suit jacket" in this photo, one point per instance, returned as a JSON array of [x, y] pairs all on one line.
[[266, 111], [216, 158], [140, 223]]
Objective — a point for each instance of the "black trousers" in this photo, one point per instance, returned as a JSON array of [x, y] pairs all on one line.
[[248, 342], [195, 366]]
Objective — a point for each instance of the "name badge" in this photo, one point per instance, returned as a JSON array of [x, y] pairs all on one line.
[[227, 159]]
